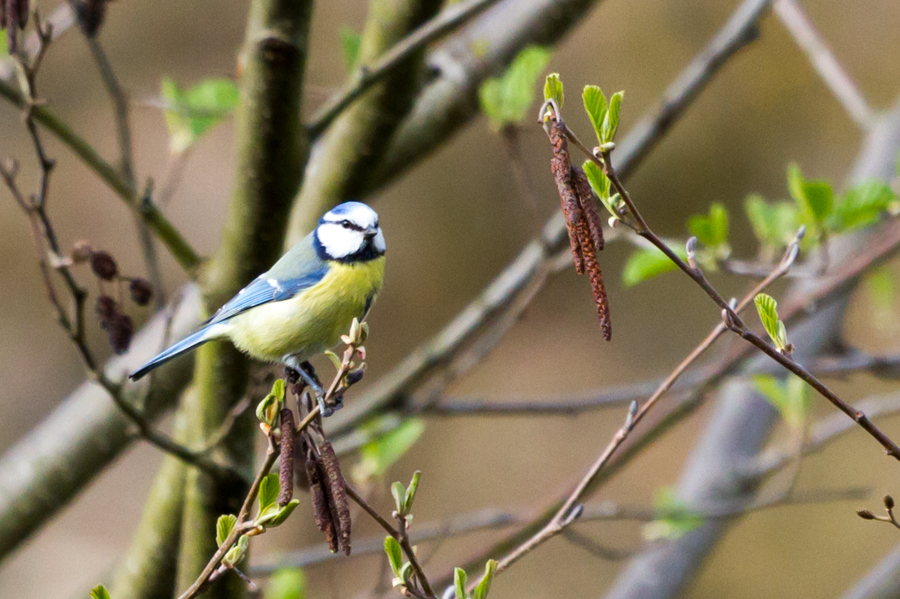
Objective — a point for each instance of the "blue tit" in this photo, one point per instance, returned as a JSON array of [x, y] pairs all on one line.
[[306, 301]]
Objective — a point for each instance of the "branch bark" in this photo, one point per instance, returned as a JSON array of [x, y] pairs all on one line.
[[50, 465], [270, 144], [87, 425], [341, 159], [149, 567]]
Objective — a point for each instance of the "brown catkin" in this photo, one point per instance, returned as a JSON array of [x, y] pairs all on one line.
[[589, 207], [286, 467], [322, 509], [561, 167], [338, 493], [596, 277]]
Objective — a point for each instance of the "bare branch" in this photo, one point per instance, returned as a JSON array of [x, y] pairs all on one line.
[[825, 63], [447, 21]]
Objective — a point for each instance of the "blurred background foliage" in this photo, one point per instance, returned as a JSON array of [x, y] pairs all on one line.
[[451, 224]]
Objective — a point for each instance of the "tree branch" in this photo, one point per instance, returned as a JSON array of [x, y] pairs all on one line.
[[824, 62], [367, 75], [742, 420], [342, 157], [269, 147]]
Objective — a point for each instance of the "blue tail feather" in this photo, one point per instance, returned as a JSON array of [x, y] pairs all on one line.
[[185, 345]]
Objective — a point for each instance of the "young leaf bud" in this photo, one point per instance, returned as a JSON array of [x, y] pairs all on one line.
[[354, 376], [865, 514], [104, 265], [888, 502], [141, 291]]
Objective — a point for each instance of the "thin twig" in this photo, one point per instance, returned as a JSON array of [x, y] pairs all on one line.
[[732, 321], [119, 98], [564, 515], [48, 251], [243, 524], [367, 75], [488, 519], [400, 535], [825, 63], [164, 230]]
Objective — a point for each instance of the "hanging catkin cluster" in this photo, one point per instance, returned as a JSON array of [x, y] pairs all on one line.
[[582, 220]]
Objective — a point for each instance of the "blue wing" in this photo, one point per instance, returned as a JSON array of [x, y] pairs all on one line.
[[265, 289]]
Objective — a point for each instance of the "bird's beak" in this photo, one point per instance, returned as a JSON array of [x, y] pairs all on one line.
[[370, 233]]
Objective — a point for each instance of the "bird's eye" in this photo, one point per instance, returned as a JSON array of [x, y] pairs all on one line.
[[345, 224]]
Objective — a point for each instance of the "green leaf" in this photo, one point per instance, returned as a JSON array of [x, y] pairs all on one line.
[[411, 491], [820, 198], [601, 185], [553, 89], [282, 514], [269, 488], [815, 199], [190, 114], [269, 408], [224, 525], [506, 99], [378, 455], [481, 591], [278, 389], [646, 263], [674, 518], [861, 206], [611, 122], [711, 230], [394, 553], [459, 582], [406, 572], [350, 42], [767, 308], [790, 397], [596, 107], [287, 583], [237, 552], [4, 51], [599, 181], [399, 494], [774, 225], [99, 591]]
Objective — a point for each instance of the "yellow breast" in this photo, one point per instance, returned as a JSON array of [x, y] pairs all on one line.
[[311, 321]]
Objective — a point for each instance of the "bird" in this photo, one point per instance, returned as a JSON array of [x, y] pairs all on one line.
[[303, 304]]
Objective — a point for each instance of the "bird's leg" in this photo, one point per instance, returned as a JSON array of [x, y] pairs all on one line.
[[333, 403], [306, 372]]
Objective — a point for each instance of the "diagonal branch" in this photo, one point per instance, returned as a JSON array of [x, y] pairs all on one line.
[[367, 75], [825, 63]]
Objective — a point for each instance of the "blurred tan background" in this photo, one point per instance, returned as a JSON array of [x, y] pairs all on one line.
[[451, 225]]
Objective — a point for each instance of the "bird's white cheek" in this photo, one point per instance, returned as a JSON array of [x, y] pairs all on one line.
[[338, 241], [379, 242]]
